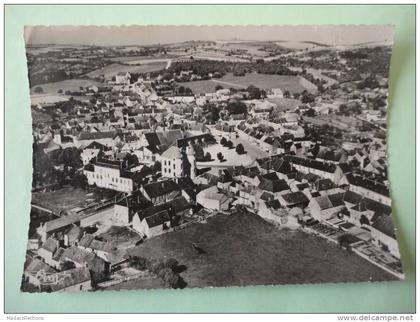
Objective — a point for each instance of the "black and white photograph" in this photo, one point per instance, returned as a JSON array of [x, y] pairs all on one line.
[[173, 157]]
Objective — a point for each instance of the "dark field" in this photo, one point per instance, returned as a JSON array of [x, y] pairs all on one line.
[[243, 249]]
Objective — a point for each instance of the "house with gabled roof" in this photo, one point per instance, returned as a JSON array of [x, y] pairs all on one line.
[[126, 208], [161, 191], [273, 211], [35, 269], [76, 279], [368, 188], [272, 183], [294, 199], [92, 150], [58, 225], [326, 207], [322, 169], [158, 219]]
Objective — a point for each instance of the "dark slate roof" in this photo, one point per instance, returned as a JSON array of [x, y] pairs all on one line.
[[172, 207], [89, 167], [158, 219], [273, 204], [323, 202], [273, 185], [295, 198], [352, 197], [135, 202], [95, 135], [50, 245], [336, 199], [97, 146], [270, 176], [324, 184], [313, 164], [160, 188], [266, 196], [369, 184], [302, 186], [152, 138], [206, 137], [345, 167], [310, 177]]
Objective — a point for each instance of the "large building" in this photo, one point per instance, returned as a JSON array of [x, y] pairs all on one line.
[[110, 175]]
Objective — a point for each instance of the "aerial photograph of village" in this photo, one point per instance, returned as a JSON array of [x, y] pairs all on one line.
[[208, 157]]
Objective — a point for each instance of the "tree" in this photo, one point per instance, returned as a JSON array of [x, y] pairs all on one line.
[[70, 157], [310, 112], [138, 262], [286, 94], [79, 180], [171, 263], [364, 220], [254, 92], [345, 241], [218, 87], [181, 90], [207, 157], [237, 107], [157, 166], [67, 265], [60, 91], [307, 98], [39, 90], [229, 144], [130, 160], [220, 157], [240, 149], [223, 141]]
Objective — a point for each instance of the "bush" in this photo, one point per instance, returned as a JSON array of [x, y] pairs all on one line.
[[165, 273], [207, 157], [240, 149], [171, 263], [220, 157], [38, 90], [139, 263]]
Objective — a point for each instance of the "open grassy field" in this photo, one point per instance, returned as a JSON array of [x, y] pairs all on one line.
[[114, 69], [62, 199], [293, 84], [69, 84], [243, 249]]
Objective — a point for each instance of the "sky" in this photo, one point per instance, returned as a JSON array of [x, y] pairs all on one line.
[[147, 35]]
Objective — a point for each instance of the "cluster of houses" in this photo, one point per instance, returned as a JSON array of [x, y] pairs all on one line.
[[158, 153]]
